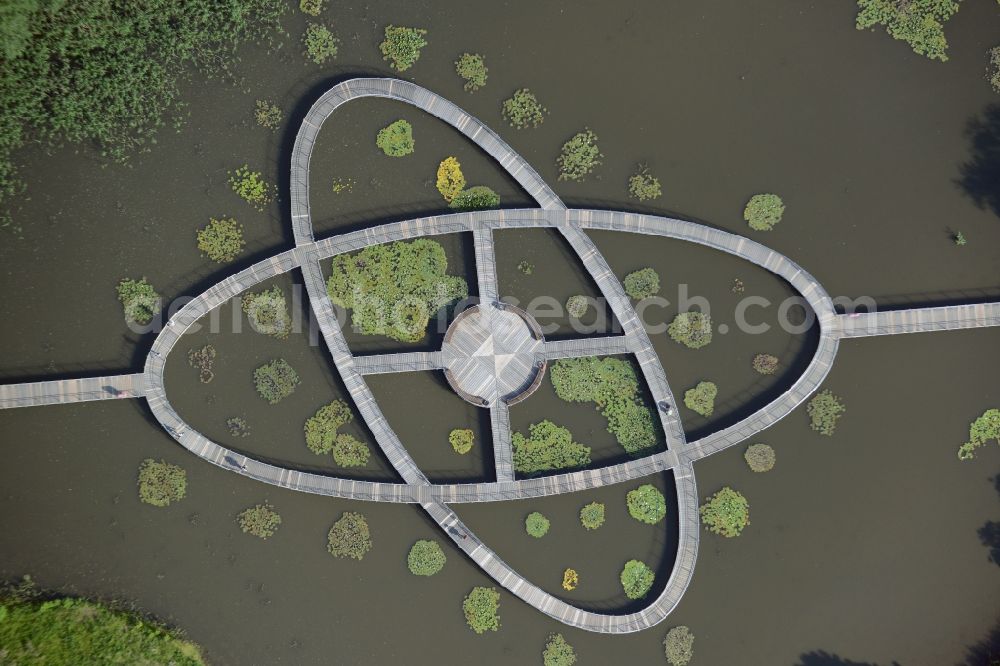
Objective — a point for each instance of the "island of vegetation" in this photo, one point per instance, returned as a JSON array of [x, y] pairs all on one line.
[[260, 520], [726, 512], [472, 68], [311, 7], [523, 109], [401, 46], [691, 329], [765, 364], [321, 427], [160, 483], [701, 399], [425, 558], [221, 240], [349, 536], [678, 646], [824, 410], [637, 578], [41, 629], [202, 359], [571, 579], [763, 211], [642, 283], [392, 289], [759, 457], [267, 312], [139, 300], [548, 447], [579, 156], [558, 652], [396, 139], [536, 525], [477, 197], [482, 608], [252, 188], [320, 43], [349, 451], [592, 515], [237, 427], [646, 504], [983, 429], [275, 380], [461, 440], [576, 306], [450, 179], [268, 114], [919, 23], [643, 185], [613, 386]]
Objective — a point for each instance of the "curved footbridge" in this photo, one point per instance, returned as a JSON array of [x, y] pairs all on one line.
[[677, 459]]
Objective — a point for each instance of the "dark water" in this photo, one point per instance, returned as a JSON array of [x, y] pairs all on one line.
[[864, 545]]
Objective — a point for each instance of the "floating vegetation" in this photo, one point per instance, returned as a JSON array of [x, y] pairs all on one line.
[[202, 360], [425, 558], [765, 364], [763, 211], [523, 110], [343, 185], [472, 68], [536, 525], [349, 537], [701, 398], [759, 457], [726, 513], [825, 409], [592, 515], [579, 157], [643, 185], [402, 46], [268, 114], [261, 520], [221, 240], [461, 440], [161, 483], [237, 427], [268, 312], [275, 380]]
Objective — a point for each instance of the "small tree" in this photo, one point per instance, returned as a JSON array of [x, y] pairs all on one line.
[[579, 157], [267, 311], [592, 515], [825, 409], [646, 504], [548, 447], [691, 329], [726, 513], [759, 457], [983, 429], [161, 483], [426, 558], [642, 283], [268, 114], [275, 380], [643, 185], [960, 239], [763, 211], [536, 525], [251, 187], [320, 43], [260, 520], [472, 68], [477, 197], [349, 537], [349, 451], [461, 440], [576, 306], [222, 240], [701, 398], [558, 652], [139, 300], [396, 140], [570, 579], [679, 646], [526, 267], [450, 179], [481, 609], [637, 579], [765, 364], [321, 427], [311, 7], [523, 110], [401, 46]]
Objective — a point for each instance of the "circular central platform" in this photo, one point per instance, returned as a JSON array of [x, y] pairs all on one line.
[[493, 351]]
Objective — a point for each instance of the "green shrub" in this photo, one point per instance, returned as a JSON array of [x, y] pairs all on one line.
[[765, 364], [636, 579], [394, 288], [161, 483], [548, 447], [472, 68], [523, 110], [67, 632], [646, 504], [701, 398], [275, 380], [759, 457], [461, 440], [726, 513], [960, 239], [525, 267], [267, 311], [251, 187], [678, 646], [643, 185], [477, 197], [311, 7], [425, 558], [202, 360], [558, 652], [824, 410], [642, 283], [268, 114], [919, 23], [260, 520], [592, 515], [983, 429], [348, 451], [396, 139], [691, 329], [576, 306], [579, 157], [402, 46], [450, 179], [320, 43], [481, 609], [612, 384], [349, 536], [763, 211], [139, 300], [321, 427], [222, 240], [536, 525], [110, 74]]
